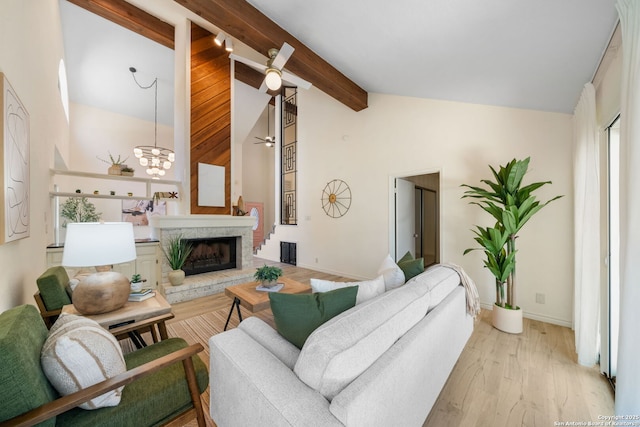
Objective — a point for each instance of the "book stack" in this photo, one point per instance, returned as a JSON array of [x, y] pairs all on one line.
[[141, 295]]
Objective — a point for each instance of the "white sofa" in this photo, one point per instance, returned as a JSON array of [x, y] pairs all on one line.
[[381, 363]]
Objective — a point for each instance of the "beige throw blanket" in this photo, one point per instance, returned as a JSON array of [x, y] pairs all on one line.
[[473, 299]]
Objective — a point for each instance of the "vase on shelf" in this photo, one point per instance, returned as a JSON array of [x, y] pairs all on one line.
[[114, 170]]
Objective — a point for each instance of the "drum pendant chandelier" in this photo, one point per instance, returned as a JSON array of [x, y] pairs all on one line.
[[156, 159]]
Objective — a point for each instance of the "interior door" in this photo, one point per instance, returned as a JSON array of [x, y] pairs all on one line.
[[405, 217]]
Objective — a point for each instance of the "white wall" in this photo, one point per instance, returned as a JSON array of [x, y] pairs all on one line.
[[30, 51], [400, 136]]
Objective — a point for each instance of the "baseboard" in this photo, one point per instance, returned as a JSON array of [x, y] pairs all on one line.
[[535, 316]]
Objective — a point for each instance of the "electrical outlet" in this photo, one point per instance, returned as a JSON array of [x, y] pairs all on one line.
[[540, 298]]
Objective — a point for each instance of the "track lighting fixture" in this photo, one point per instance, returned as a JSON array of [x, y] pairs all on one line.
[[223, 38], [228, 44], [219, 39]]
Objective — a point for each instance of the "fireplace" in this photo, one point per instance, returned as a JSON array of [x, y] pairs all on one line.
[[211, 254]]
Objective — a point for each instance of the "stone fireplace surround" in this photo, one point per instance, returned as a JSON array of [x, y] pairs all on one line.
[[201, 226]]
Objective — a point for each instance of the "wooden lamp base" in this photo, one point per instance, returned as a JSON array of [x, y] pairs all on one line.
[[101, 292]]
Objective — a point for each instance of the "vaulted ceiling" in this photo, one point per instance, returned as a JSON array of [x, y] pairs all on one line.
[[521, 53]]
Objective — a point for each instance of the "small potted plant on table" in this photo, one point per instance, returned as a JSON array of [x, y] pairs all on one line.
[[268, 275], [177, 252]]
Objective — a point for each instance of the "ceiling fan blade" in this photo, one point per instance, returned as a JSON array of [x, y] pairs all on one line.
[[263, 87], [295, 80], [253, 64], [283, 55]]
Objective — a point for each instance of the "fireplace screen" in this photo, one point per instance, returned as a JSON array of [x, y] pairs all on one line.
[[211, 254]]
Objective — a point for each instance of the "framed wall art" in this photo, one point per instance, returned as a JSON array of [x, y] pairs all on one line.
[[14, 221]]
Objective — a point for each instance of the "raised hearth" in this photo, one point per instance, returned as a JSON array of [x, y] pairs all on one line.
[[239, 228]]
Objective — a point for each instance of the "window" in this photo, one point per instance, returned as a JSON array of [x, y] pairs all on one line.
[[288, 184]]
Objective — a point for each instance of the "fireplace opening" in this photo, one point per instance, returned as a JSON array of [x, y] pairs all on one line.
[[210, 254]]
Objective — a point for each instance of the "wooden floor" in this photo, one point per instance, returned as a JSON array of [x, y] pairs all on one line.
[[530, 379]]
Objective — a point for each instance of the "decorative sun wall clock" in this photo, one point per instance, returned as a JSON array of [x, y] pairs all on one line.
[[336, 198]]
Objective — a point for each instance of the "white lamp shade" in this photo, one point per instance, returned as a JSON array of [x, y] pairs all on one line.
[[273, 79], [91, 244]]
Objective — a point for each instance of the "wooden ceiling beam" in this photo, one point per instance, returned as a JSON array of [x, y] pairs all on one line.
[[132, 18], [244, 22]]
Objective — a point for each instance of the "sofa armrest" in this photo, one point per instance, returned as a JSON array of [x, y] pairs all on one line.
[[70, 401], [271, 340], [242, 370]]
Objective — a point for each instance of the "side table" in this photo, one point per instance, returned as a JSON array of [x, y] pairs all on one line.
[[133, 317]]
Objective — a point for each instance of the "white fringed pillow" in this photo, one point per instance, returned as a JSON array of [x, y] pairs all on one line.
[[79, 353], [367, 289]]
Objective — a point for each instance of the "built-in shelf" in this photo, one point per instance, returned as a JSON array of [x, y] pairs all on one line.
[[102, 196], [147, 181], [114, 177]]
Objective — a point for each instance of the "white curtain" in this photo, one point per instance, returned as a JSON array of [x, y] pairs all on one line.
[[628, 375], [586, 228]]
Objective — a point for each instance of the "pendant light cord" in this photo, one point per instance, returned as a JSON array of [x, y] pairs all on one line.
[[155, 117]]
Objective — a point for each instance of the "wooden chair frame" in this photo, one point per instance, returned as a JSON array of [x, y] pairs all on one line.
[[49, 316], [68, 402]]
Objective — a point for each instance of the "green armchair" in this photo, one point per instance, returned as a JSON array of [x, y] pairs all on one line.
[[163, 381]]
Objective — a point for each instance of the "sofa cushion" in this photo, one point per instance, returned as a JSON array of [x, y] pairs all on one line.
[[367, 289], [23, 385], [345, 346], [439, 280], [298, 315], [52, 285], [79, 353], [392, 274], [151, 400], [411, 266]]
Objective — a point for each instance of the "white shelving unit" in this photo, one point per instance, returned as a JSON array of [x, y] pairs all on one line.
[[147, 181]]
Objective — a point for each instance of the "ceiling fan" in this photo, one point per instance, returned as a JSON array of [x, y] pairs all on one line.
[[273, 70], [268, 140]]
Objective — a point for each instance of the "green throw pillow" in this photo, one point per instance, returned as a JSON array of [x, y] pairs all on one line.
[[411, 267], [297, 315], [406, 257]]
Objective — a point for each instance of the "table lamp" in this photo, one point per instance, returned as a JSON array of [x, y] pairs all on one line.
[[99, 245]]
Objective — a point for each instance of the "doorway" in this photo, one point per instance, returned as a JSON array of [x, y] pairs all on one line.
[[417, 217]]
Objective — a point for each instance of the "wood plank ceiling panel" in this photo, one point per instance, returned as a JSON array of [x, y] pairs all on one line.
[[132, 18], [210, 114], [242, 21]]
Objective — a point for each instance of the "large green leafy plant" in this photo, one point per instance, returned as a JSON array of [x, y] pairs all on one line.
[[512, 205]]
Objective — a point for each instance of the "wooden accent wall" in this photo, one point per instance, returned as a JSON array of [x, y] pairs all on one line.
[[210, 114]]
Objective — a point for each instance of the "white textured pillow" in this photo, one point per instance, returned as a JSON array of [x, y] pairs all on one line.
[[367, 289], [79, 353], [393, 275]]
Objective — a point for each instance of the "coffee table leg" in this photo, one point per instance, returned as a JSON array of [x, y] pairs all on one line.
[[236, 303]]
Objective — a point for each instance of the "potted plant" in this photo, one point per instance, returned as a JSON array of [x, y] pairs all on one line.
[[136, 283], [512, 205], [116, 164], [79, 209], [177, 252], [268, 275], [126, 171]]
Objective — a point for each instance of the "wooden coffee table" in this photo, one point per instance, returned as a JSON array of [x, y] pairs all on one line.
[[133, 317], [246, 295]]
